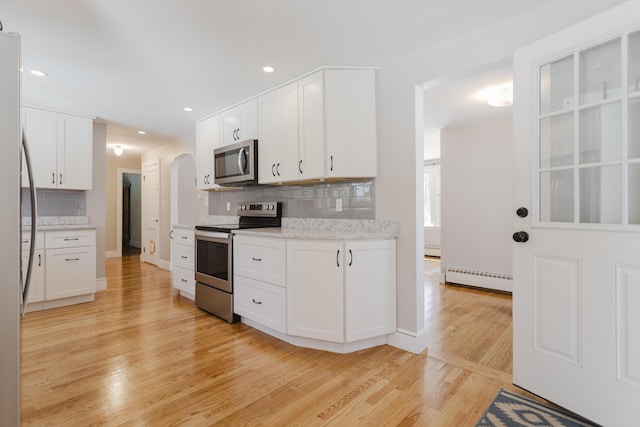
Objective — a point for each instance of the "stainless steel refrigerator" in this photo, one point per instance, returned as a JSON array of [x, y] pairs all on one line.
[[10, 287]]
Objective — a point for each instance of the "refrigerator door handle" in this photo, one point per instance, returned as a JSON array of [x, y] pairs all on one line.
[[34, 220]]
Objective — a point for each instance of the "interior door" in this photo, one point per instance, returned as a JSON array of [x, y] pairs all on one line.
[[576, 297], [151, 211]]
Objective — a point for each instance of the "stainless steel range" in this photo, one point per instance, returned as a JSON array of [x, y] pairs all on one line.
[[214, 256]]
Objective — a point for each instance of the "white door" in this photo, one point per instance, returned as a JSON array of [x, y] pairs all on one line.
[[151, 211], [576, 297]]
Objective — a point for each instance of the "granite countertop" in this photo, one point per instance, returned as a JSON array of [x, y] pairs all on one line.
[[52, 223], [301, 228]]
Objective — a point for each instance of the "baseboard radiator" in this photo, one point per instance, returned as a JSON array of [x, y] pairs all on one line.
[[480, 279], [432, 250]]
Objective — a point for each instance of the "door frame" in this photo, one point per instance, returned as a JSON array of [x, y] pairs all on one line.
[[119, 179]]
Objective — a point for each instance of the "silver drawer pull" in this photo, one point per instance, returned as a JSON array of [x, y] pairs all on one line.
[[67, 239], [25, 241], [72, 259], [257, 259], [184, 237], [183, 257], [184, 280], [256, 302]]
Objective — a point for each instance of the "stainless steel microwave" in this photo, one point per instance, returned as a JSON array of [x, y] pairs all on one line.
[[236, 164]]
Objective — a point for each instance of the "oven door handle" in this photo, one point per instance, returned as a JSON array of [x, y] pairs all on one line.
[[213, 236]]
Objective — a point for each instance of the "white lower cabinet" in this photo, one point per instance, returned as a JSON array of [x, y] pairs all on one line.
[[64, 268], [334, 295], [341, 291], [183, 260]]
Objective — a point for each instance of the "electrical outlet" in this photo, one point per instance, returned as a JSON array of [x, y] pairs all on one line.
[[338, 205], [228, 206]]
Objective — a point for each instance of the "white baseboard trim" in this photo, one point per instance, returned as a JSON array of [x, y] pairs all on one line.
[[408, 341], [165, 265], [101, 284], [111, 254]]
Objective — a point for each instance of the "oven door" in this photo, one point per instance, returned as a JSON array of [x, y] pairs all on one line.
[[214, 260]]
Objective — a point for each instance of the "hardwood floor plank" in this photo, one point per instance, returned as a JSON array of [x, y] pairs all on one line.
[[142, 355]]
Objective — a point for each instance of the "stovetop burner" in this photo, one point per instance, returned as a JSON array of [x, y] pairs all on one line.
[[252, 215]]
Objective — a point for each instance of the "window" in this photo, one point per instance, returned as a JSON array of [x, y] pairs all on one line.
[[432, 194]]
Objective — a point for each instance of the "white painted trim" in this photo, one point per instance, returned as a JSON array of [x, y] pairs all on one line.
[[111, 254], [101, 284], [408, 341], [119, 173], [165, 265]]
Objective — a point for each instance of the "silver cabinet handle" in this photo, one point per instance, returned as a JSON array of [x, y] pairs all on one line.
[[278, 169], [53, 178], [184, 237], [331, 168], [171, 234], [39, 260], [338, 258], [60, 179], [273, 169], [184, 280], [69, 239], [256, 301], [350, 257], [183, 257], [256, 259], [300, 166], [72, 259]]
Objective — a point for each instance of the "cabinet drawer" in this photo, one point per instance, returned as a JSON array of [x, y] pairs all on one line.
[[69, 238], [182, 236], [184, 280], [260, 258], [26, 240], [183, 256], [260, 302]]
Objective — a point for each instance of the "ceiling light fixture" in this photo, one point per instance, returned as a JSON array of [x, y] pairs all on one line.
[[268, 69], [497, 96], [118, 150], [188, 109], [141, 132], [38, 73]]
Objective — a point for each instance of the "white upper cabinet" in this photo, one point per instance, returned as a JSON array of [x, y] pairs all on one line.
[[278, 135], [207, 140], [350, 123], [311, 151], [61, 148], [240, 123]]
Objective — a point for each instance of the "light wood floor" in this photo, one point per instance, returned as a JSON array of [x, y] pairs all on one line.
[[140, 355]]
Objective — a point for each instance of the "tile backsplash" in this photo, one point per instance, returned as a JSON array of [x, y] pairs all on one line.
[[304, 201], [56, 203]]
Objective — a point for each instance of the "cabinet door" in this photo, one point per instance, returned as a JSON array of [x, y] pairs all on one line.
[[70, 272], [207, 140], [315, 295], [350, 119], [311, 145], [40, 129], [288, 117], [36, 288], [75, 152], [268, 138], [240, 123], [370, 289]]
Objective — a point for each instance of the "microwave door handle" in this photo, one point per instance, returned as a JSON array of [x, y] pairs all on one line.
[[240, 158]]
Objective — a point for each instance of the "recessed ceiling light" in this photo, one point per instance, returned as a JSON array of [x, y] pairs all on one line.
[[268, 69], [141, 132], [38, 73], [188, 109]]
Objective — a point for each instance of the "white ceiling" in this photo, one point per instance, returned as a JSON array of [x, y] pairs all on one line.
[[136, 64]]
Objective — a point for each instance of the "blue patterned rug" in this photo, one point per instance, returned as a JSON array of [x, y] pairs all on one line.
[[511, 410]]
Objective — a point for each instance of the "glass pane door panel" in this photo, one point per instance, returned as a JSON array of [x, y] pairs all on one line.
[[556, 141], [634, 62], [634, 194], [633, 125], [600, 72], [601, 133], [601, 195], [556, 196], [556, 86]]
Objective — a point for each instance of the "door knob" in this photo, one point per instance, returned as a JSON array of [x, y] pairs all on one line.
[[522, 212], [520, 236]]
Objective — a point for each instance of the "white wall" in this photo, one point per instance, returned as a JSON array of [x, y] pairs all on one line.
[[96, 196], [131, 161], [399, 192], [477, 197]]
